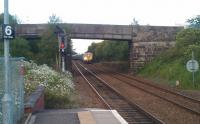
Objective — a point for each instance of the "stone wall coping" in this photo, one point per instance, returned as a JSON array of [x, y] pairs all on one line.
[[32, 99]]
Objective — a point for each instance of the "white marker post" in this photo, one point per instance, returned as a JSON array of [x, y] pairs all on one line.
[[192, 66]]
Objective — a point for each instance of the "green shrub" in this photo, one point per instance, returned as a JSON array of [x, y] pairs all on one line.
[[58, 87]]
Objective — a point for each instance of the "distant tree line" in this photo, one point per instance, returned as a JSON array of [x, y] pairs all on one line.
[[109, 50]]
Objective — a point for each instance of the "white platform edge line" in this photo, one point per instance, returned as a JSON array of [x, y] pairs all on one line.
[[116, 115], [119, 118], [99, 110]]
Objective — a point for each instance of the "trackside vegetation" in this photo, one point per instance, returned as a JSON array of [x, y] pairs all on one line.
[[109, 51], [170, 66], [58, 87], [112, 54]]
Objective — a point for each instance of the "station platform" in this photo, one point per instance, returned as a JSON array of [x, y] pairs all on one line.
[[77, 116]]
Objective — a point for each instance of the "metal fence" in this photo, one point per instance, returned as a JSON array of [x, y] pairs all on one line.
[[16, 86]]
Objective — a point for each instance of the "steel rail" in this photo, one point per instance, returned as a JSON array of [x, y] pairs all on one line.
[[95, 91], [163, 89], [170, 101], [155, 86], [156, 120]]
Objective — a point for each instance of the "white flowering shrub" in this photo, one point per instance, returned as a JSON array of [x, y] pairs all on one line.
[[58, 87]]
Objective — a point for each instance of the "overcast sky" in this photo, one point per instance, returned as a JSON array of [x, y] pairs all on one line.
[[122, 12]]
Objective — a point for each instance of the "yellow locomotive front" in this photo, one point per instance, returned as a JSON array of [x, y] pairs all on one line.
[[87, 57]]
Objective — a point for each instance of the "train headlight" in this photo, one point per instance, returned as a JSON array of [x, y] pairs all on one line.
[[85, 58]]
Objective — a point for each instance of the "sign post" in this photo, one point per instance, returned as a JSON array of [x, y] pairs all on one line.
[[192, 66], [7, 100]]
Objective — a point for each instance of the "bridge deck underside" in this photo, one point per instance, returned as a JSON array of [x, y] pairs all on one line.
[[122, 37]]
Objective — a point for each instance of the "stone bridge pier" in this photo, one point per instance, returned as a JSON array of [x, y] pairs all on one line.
[[149, 42]]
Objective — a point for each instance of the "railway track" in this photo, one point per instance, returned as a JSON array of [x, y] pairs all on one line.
[[132, 113], [185, 102]]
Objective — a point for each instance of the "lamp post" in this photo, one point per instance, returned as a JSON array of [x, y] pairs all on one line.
[[6, 100]]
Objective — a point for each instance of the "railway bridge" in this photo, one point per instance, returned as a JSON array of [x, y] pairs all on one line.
[[145, 42]]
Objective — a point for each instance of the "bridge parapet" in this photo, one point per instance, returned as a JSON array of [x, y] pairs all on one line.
[[30, 31], [97, 31], [100, 29], [156, 33], [80, 31]]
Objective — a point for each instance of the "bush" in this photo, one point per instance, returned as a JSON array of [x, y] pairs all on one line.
[[58, 87]]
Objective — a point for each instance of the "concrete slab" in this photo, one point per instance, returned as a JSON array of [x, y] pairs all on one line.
[[77, 116], [107, 117], [86, 118], [56, 117]]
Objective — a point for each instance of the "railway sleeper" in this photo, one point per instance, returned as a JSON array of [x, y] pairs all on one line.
[[134, 116], [132, 113], [129, 110], [141, 123]]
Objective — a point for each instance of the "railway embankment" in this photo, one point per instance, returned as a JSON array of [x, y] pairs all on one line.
[[170, 67]]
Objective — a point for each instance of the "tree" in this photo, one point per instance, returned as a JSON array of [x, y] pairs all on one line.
[[48, 48], [194, 22], [53, 19], [19, 47], [188, 37], [48, 45], [187, 41], [135, 22], [109, 51], [12, 19]]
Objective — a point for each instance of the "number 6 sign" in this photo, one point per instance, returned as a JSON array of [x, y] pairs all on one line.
[[8, 32]]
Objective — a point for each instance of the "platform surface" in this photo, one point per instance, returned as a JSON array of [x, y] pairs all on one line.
[[77, 116]]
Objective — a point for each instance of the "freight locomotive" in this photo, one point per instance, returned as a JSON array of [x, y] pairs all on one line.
[[87, 57]]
